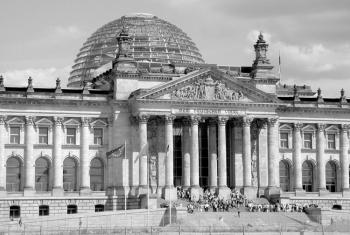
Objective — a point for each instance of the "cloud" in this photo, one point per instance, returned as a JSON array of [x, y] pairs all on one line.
[[70, 31], [42, 77]]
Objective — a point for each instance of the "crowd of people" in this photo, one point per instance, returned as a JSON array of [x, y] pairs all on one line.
[[210, 201]]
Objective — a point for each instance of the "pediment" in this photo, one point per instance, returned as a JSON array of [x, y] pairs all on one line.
[[208, 85], [16, 121], [98, 122], [332, 128], [309, 127], [44, 121], [286, 127], [71, 122]]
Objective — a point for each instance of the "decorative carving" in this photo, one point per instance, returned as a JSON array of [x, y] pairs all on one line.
[[207, 89], [297, 126], [321, 127], [247, 120], [85, 121], [169, 119], [57, 121], [272, 121], [2, 120], [195, 119], [143, 118], [345, 127], [222, 120], [29, 120]]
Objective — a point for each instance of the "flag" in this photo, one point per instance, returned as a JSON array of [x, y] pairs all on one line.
[[118, 152], [143, 152], [279, 65]]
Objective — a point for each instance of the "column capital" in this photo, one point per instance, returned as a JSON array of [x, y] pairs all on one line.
[[297, 126], [195, 119], [345, 127], [29, 120], [169, 118], [57, 121], [222, 120], [321, 127], [247, 120], [85, 121], [272, 121], [2, 119], [143, 118]]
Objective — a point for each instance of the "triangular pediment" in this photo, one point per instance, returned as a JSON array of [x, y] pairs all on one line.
[[208, 84], [15, 121], [98, 122], [44, 121], [71, 122]]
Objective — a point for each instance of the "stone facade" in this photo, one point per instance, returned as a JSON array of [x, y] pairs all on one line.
[[199, 126]]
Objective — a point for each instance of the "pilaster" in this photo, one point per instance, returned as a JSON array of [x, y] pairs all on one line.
[[29, 165], [321, 165], [84, 157], [297, 143], [57, 158], [344, 158], [2, 156], [143, 119]]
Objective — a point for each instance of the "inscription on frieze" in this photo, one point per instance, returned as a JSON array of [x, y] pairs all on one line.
[[204, 111], [207, 89]]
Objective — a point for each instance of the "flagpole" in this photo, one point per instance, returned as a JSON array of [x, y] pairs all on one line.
[[279, 65], [148, 176], [125, 193]]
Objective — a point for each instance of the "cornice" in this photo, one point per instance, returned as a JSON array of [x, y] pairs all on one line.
[[285, 109], [43, 101]]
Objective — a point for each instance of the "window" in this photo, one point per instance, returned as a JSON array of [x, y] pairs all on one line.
[[69, 174], [331, 176], [98, 136], [13, 174], [96, 175], [284, 140], [41, 174], [331, 141], [72, 209], [15, 211], [71, 136], [43, 135], [14, 135], [284, 176], [307, 176], [308, 140], [43, 210], [99, 208]]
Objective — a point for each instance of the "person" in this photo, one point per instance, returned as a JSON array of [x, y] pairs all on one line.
[[239, 213], [20, 222]]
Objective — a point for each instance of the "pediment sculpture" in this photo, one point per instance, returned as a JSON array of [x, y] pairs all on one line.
[[207, 89]]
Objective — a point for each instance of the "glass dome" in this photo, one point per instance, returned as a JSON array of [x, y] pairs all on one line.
[[154, 42]]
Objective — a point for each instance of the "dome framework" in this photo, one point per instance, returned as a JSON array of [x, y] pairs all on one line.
[[153, 42]]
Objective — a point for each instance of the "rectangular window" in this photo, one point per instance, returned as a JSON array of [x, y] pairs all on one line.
[[71, 136], [14, 135], [331, 141], [308, 140], [98, 136], [284, 140], [43, 135]]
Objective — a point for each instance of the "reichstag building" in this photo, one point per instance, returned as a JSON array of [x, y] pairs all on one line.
[[144, 112]]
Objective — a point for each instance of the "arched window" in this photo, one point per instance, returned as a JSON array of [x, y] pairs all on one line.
[[308, 174], [69, 174], [284, 176], [42, 174], [96, 175], [331, 176], [13, 174]]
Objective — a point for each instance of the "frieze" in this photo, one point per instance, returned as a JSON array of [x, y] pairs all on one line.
[[209, 111], [207, 89]]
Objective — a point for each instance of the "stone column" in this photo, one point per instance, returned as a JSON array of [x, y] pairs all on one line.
[[247, 158], [143, 119], [29, 164], [297, 143], [186, 164], [238, 153], [223, 190], [170, 192], [273, 167], [262, 157], [84, 157], [57, 158], [195, 189], [213, 167], [321, 169], [2, 155], [344, 158]]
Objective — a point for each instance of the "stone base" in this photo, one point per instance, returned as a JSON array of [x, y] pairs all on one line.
[[250, 192], [57, 192], [299, 192], [85, 191], [3, 193], [143, 190], [272, 193], [195, 192], [346, 193], [323, 192], [133, 190], [148, 202], [170, 193], [224, 192], [28, 192]]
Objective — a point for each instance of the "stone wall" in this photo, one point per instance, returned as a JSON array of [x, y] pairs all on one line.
[[326, 203]]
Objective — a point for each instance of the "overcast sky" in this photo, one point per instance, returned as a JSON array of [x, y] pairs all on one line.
[[40, 38]]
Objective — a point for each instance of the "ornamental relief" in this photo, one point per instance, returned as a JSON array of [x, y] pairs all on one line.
[[207, 89]]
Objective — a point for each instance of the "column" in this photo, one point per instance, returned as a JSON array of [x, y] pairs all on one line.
[[321, 169], [29, 164], [170, 192], [273, 152], [238, 153], [186, 163], [57, 157], [213, 167], [143, 119], [297, 142], [262, 156], [2, 154], [247, 158], [195, 189], [344, 158], [84, 156], [223, 190]]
